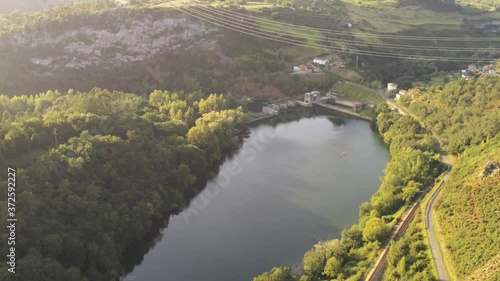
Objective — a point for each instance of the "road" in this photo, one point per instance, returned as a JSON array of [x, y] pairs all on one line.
[[431, 235]]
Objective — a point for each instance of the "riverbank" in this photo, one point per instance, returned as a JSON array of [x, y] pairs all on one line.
[[409, 169]]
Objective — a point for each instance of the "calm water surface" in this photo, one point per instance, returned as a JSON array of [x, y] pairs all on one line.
[[289, 186]]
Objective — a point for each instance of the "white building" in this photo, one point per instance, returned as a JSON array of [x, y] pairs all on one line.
[[311, 97], [392, 86], [321, 61]]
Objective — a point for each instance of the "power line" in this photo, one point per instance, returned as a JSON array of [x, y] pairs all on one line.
[[230, 16], [255, 33], [329, 16], [345, 33]]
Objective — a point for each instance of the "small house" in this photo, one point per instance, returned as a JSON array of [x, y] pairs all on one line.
[[321, 61], [488, 68], [392, 87], [400, 94]]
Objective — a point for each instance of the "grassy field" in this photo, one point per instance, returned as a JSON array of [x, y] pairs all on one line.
[[375, 15], [353, 92], [256, 5], [383, 16]]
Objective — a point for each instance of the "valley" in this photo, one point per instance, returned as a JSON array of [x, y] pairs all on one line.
[[119, 118]]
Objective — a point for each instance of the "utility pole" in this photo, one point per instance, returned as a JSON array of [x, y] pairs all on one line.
[[55, 136], [357, 59]]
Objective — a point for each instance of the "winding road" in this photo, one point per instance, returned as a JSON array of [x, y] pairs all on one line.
[[433, 243]]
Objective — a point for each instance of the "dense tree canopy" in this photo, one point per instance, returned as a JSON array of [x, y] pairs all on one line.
[[409, 258], [462, 113], [97, 169], [276, 274]]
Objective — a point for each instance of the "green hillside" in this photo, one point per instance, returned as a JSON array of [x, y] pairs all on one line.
[[465, 115], [250, 65], [469, 212], [462, 113]]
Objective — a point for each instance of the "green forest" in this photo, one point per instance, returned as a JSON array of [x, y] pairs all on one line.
[[462, 113], [465, 116], [414, 164], [408, 258], [102, 167]]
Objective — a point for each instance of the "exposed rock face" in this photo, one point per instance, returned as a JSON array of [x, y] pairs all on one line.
[[117, 39], [490, 169]]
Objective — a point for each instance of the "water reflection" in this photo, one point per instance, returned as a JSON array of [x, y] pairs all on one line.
[[292, 192]]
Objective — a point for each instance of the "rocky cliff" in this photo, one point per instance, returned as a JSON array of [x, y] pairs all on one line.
[[110, 40]]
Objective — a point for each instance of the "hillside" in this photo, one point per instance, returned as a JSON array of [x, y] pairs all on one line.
[[140, 48], [469, 214], [462, 113], [203, 47], [465, 115]]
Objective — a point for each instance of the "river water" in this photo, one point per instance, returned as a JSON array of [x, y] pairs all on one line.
[[290, 185]]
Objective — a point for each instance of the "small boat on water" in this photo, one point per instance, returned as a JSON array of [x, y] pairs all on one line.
[[343, 154]]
